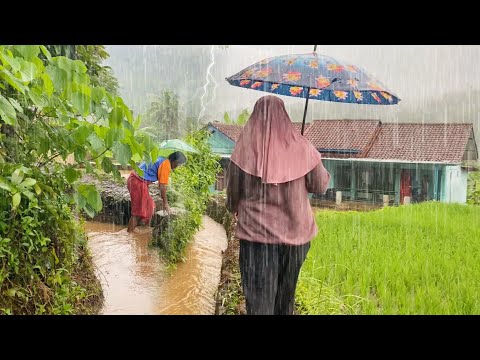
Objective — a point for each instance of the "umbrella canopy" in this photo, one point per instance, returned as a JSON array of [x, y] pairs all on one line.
[[314, 76], [170, 146]]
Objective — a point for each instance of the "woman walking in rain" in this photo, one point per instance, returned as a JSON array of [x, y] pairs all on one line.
[[272, 170]]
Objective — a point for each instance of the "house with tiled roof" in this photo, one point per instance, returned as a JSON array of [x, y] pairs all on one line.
[[370, 161], [223, 137]]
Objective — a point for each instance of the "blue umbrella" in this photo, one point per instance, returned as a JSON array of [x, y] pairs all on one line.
[[314, 76]]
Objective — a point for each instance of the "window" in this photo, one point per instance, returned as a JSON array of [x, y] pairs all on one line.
[[343, 177]]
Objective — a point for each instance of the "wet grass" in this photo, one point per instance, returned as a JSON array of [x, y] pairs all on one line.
[[473, 176], [229, 295], [230, 299], [473, 181], [84, 275], [416, 259], [473, 188]]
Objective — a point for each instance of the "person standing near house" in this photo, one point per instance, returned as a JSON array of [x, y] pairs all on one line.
[[142, 204], [272, 170]]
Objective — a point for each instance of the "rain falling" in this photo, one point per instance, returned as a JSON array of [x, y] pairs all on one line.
[[239, 179]]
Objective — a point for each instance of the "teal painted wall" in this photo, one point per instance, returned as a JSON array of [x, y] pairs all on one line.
[[220, 144], [331, 167]]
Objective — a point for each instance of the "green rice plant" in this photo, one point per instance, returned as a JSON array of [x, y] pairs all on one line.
[[416, 259]]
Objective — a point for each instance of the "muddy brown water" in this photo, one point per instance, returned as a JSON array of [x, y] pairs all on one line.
[[135, 281]]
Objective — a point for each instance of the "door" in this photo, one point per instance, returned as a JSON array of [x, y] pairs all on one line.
[[405, 184]]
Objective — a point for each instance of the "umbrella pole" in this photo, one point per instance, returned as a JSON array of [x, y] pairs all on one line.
[[305, 111], [306, 102]]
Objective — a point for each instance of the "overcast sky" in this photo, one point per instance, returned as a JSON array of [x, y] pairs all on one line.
[[416, 73]]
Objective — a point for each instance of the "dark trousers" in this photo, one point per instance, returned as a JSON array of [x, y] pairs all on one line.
[[269, 276]]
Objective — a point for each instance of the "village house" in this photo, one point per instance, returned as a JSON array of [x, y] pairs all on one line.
[[378, 163]]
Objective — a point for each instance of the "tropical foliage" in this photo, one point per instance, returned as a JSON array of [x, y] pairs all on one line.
[[54, 119]]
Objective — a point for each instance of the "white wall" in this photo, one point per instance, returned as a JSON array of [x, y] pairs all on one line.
[[455, 185]]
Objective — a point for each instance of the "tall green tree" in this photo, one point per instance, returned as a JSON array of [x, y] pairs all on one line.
[[163, 116], [92, 56]]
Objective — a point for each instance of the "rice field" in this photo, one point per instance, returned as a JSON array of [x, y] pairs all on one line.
[[415, 259]]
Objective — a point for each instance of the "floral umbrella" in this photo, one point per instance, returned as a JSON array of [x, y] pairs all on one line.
[[314, 76]]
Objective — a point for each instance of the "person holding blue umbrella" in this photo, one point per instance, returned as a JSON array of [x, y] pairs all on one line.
[[142, 204], [272, 170]]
